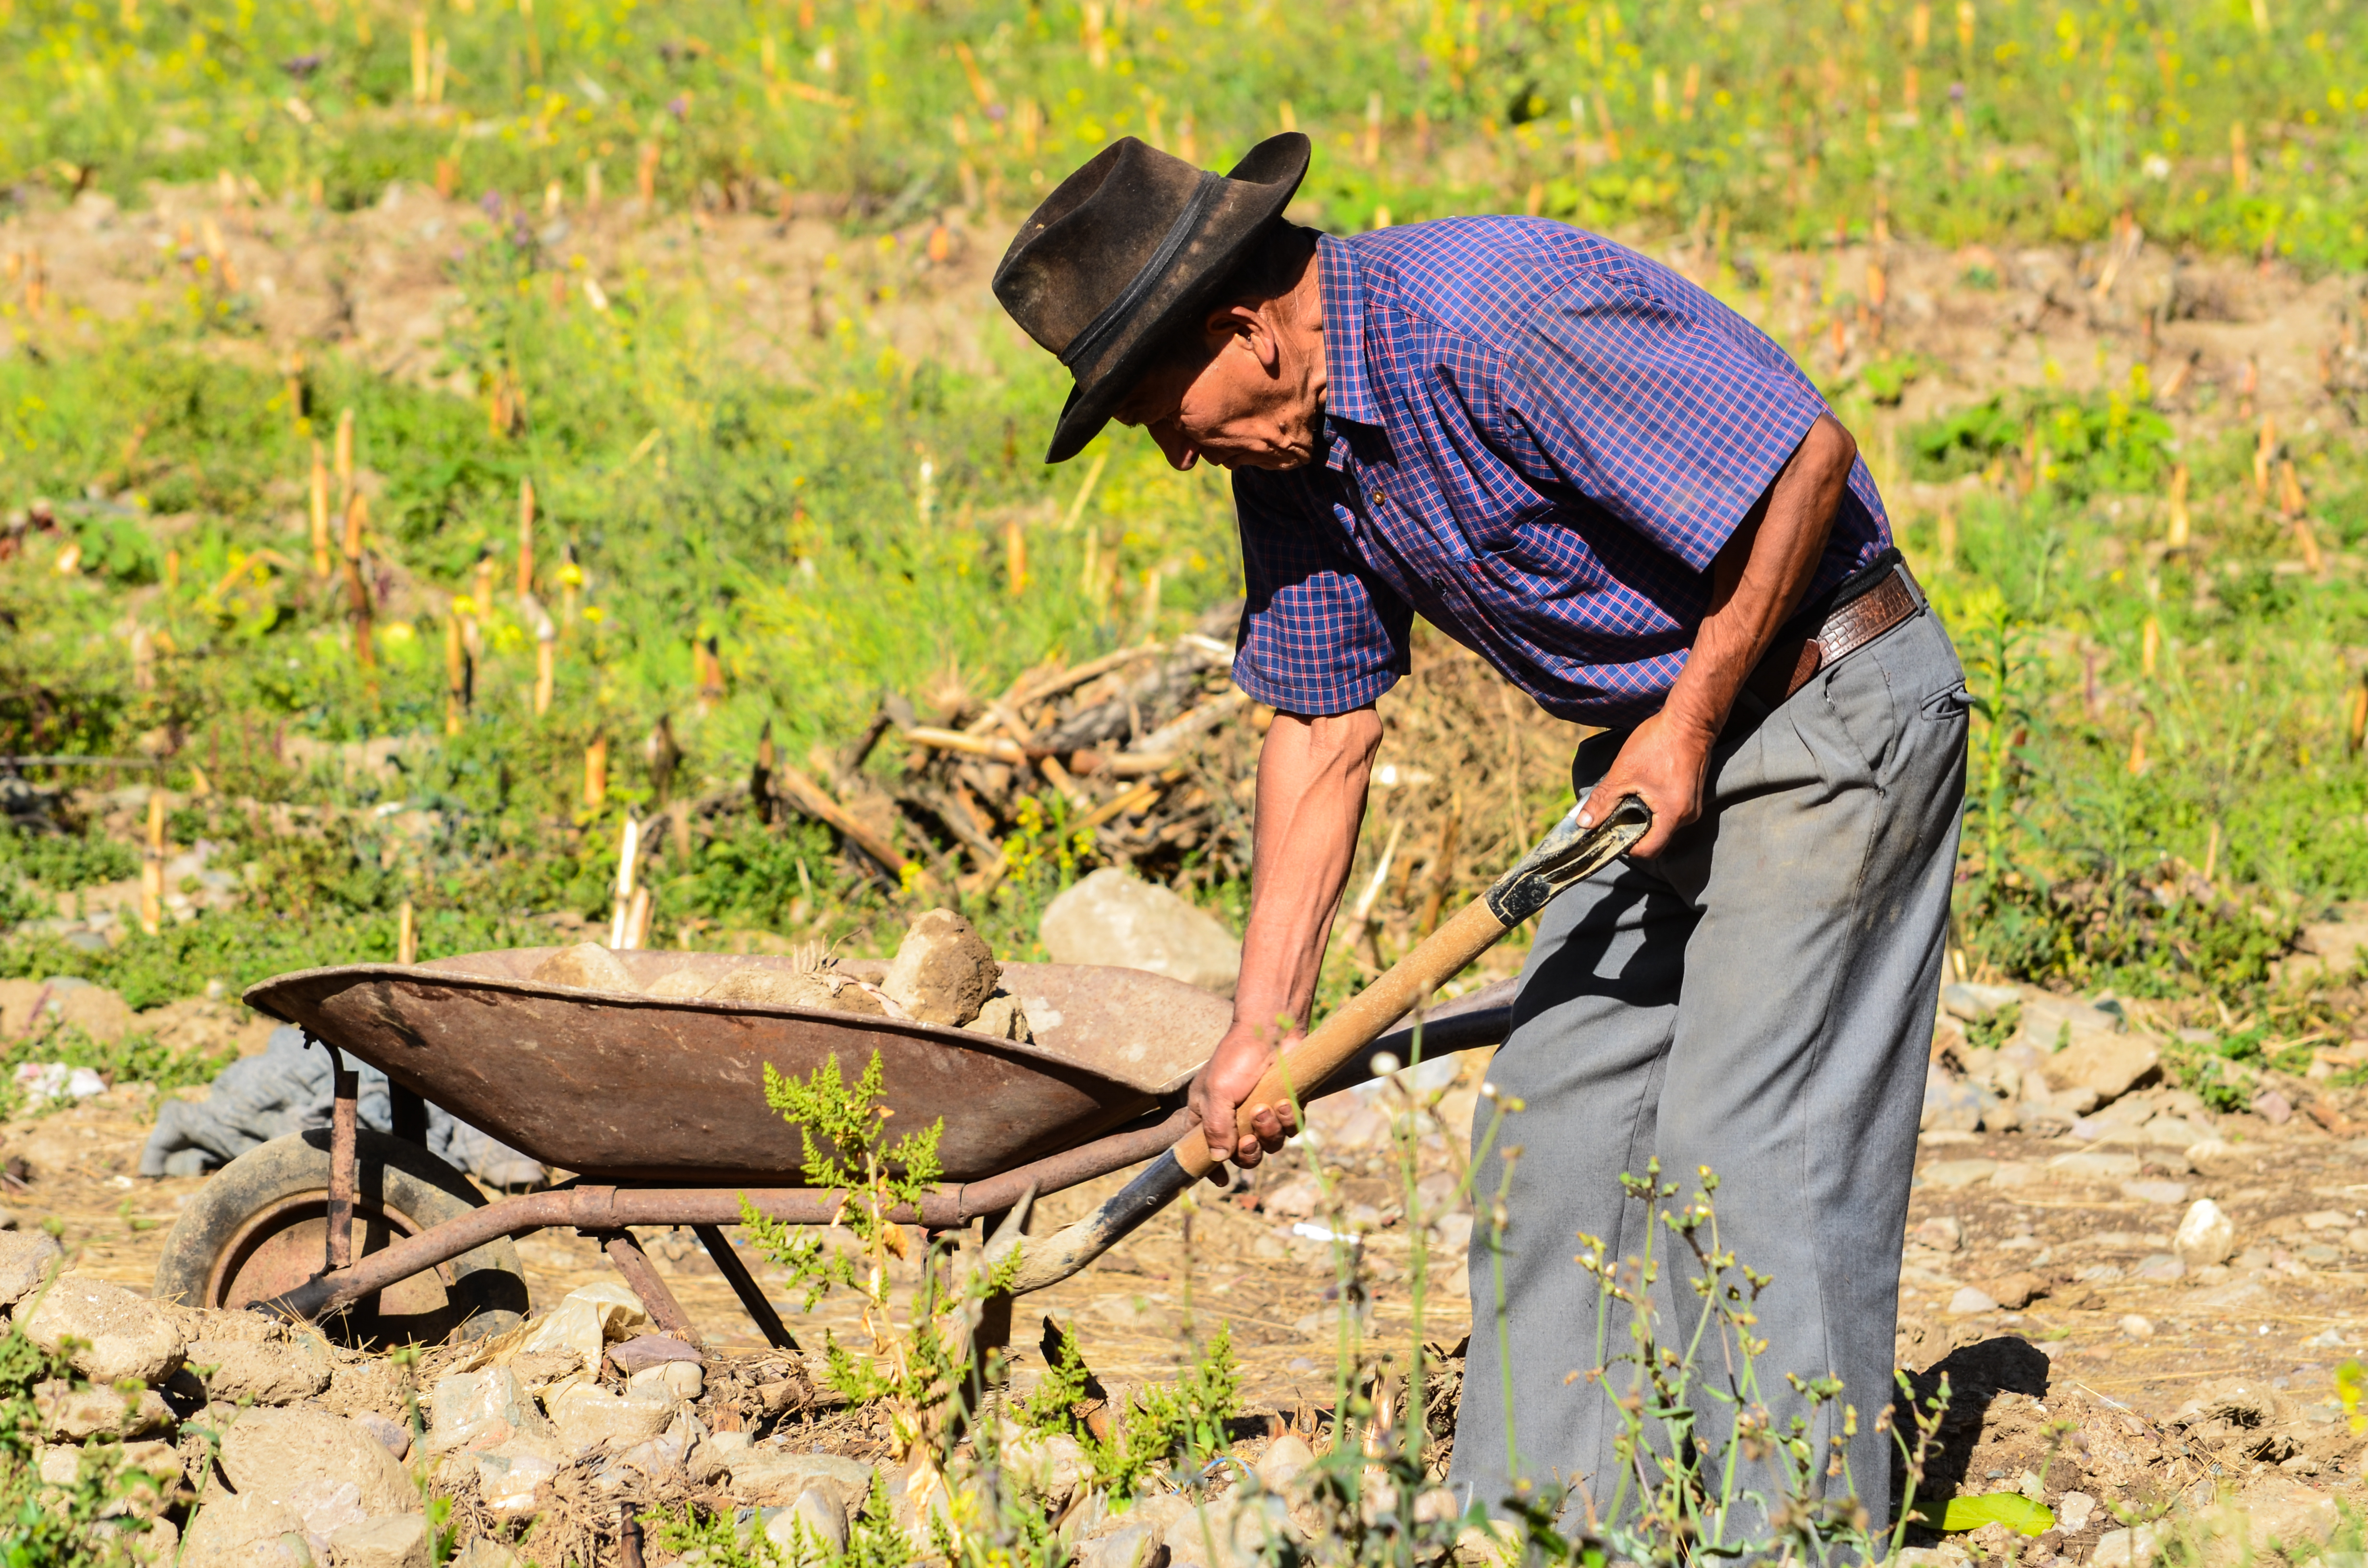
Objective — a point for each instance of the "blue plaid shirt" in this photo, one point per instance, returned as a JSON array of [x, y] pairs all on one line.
[[1538, 440]]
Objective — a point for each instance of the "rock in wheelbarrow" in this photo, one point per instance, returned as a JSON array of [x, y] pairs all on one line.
[[824, 988], [943, 972], [587, 966]]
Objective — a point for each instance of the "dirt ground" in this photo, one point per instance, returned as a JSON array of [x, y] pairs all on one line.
[[2216, 332], [2151, 1389]]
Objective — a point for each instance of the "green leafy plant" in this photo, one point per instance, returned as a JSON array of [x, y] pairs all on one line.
[[85, 1523], [2113, 441], [916, 1369]]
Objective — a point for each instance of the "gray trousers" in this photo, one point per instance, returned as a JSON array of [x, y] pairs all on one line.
[[1757, 1000]]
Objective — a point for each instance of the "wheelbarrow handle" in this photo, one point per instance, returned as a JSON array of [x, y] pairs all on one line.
[[1566, 855]]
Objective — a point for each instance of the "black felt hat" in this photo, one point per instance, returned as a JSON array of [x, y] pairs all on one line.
[[1123, 252]]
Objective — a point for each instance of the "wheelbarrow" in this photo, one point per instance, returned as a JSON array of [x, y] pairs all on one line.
[[656, 1106]]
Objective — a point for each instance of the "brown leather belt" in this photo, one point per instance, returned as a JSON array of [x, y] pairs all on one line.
[[1792, 659]]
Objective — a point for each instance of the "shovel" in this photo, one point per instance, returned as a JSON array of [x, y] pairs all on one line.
[[1566, 855]]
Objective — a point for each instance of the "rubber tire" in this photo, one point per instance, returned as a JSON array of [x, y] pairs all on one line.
[[488, 1290]]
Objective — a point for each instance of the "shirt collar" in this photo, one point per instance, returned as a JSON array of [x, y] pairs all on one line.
[[1348, 394]]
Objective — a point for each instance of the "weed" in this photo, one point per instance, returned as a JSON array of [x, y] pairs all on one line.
[[81, 1523]]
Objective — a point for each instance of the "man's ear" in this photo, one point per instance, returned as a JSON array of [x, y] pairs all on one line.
[[1245, 325]]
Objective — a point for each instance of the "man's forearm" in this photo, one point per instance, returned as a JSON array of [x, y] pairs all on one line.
[[1311, 802], [1761, 575], [1756, 582]]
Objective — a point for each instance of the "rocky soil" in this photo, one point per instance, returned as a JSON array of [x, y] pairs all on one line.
[[2106, 1351]]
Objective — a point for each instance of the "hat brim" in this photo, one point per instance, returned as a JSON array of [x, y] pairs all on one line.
[[1266, 178]]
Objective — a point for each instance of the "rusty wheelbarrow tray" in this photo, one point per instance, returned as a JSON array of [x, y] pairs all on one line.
[[656, 1104]]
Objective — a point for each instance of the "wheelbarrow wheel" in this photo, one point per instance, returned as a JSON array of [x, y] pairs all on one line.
[[259, 1227]]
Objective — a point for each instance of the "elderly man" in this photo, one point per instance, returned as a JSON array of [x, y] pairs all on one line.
[[1635, 506]]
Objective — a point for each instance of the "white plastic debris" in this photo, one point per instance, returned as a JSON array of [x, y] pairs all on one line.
[[41, 1082]]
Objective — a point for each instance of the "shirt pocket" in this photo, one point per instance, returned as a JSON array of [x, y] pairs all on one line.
[[1521, 534]]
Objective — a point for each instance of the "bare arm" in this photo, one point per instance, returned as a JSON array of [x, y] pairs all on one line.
[[1311, 802], [1756, 582]]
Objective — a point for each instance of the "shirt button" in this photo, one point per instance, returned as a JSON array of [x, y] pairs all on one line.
[[1381, 496]]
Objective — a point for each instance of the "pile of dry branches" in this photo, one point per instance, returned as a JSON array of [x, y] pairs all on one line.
[[1147, 750], [1152, 751]]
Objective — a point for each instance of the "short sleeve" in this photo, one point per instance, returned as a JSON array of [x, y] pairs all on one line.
[[1318, 635], [1672, 416]]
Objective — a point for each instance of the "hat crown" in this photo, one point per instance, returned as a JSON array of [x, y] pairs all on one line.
[[1123, 251], [1091, 237]]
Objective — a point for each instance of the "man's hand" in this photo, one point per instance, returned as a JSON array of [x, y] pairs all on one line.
[[1664, 763], [1244, 1134], [1757, 580]]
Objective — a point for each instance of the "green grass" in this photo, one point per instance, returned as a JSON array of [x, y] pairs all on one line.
[[1997, 118], [789, 519]]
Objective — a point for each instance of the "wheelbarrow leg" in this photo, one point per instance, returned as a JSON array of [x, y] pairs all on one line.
[[342, 1163], [642, 1279], [744, 1285]]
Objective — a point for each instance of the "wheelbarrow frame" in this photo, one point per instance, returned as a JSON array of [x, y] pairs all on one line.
[[607, 1211]]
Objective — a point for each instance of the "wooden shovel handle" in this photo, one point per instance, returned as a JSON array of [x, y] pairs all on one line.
[[1360, 1021]]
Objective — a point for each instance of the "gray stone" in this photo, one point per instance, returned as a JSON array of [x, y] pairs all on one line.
[[2214, 1157], [1951, 1105], [1231, 1531], [386, 1429], [687, 982], [2110, 1065], [668, 1382], [510, 1478], [26, 1257], [2055, 1023], [776, 1476], [321, 1465], [1112, 918], [123, 1336], [1958, 1173], [1975, 1002], [2095, 1166], [2206, 1235], [1135, 1545], [588, 1416], [943, 971], [815, 1516], [2328, 947], [481, 1410], [398, 1540], [267, 1373], [1000, 1017], [2155, 1192], [236, 1530], [1285, 1459], [1943, 1232], [650, 1350], [774, 986], [75, 1414], [2175, 1132], [681, 1449], [2159, 1269]]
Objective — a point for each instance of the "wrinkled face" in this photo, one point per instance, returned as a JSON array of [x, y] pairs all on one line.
[[1256, 402]]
